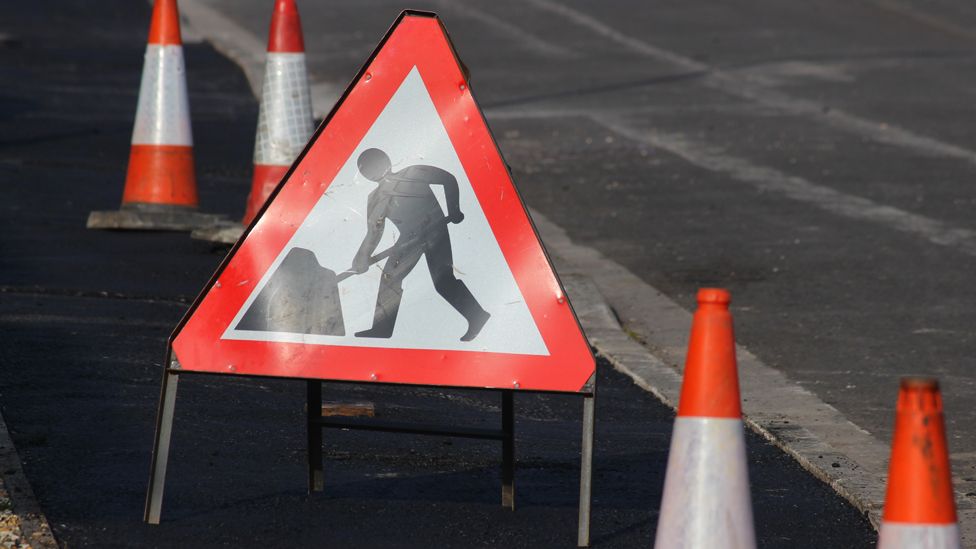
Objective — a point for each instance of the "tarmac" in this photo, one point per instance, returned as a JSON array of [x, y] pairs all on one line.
[[86, 314], [780, 152]]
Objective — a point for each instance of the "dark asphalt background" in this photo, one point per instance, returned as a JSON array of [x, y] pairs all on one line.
[[84, 318], [842, 306]]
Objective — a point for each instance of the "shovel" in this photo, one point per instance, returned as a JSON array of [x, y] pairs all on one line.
[[302, 297]]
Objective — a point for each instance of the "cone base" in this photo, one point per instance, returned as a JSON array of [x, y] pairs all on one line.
[[902, 535], [156, 218], [227, 232]]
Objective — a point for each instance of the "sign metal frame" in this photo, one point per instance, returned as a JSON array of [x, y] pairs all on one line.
[[315, 422]]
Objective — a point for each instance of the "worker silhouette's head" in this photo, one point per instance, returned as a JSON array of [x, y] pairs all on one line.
[[374, 164]]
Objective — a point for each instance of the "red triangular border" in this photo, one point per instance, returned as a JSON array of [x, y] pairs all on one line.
[[416, 39]]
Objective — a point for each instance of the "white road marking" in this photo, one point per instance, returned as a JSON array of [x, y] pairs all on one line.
[[795, 187], [939, 23], [528, 40], [634, 44], [770, 179], [742, 87]]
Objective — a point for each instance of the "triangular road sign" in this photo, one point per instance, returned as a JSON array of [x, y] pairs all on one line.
[[396, 250]]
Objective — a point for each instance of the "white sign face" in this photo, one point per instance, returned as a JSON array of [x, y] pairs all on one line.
[[404, 190]]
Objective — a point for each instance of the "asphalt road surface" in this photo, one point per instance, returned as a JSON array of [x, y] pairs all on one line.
[[812, 158]]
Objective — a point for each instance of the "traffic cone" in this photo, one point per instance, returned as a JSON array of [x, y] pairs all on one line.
[[160, 186], [919, 509], [706, 500], [285, 122]]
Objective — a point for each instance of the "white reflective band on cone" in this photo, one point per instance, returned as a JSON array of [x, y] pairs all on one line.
[[163, 115], [902, 535], [285, 117], [706, 499]]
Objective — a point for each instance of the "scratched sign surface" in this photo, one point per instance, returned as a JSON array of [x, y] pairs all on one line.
[[396, 250]]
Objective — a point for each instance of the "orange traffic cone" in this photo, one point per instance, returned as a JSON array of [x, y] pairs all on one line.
[[160, 186], [919, 509], [706, 500], [285, 121]]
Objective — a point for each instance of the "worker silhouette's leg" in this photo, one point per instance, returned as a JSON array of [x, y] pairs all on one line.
[[440, 261], [397, 267]]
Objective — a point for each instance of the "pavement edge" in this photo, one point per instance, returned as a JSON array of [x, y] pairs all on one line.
[[643, 334], [22, 523]]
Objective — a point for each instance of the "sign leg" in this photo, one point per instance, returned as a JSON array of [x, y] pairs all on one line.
[[586, 471], [508, 449], [160, 456], [313, 408]]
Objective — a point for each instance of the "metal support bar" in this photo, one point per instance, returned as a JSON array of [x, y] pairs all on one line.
[[160, 456], [508, 450], [410, 428], [586, 471], [313, 412]]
